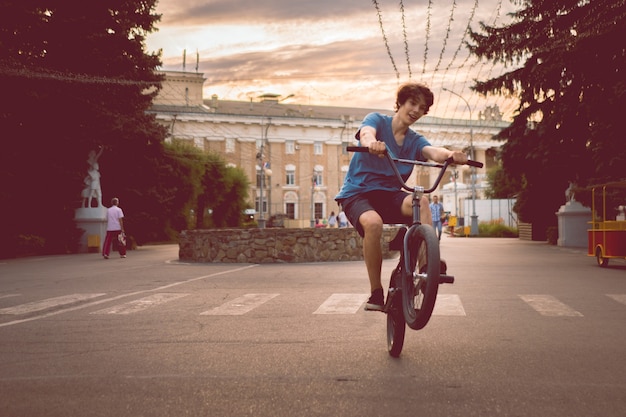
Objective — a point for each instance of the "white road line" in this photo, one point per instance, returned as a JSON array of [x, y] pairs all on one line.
[[449, 305], [136, 306], [342, 304], [547, 305], [9, 295], [240, 305], [48, 303], [620, 298], [106, 300]]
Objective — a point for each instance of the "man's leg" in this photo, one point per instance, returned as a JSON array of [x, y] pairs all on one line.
[[106, 246], [426, 214], [372, 225]]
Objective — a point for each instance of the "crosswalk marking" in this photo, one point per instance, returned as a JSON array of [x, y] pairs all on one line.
[[336, 303], [620, 298], [448, 305], [342, 304], [547, 305], [141, 304], [240, 306], [48, 303]]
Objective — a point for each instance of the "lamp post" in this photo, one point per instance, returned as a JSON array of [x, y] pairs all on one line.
[[313, 184], [474, 217], [259, 156], [455, 175]]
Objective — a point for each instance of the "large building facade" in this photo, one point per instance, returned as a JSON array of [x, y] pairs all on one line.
[[295, 154]]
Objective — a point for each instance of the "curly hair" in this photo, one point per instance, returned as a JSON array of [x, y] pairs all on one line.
[[415, 91]]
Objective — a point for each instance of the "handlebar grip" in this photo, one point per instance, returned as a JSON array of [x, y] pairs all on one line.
[[474, 163], [357, 149]]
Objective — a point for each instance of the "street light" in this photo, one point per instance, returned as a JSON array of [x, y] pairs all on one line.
[[455, 175], [313, 187], [474, 217], [265, 170]]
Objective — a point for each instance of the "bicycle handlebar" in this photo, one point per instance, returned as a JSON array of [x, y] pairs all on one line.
[[392, 160]]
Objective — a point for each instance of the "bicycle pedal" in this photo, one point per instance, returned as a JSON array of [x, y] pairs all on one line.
[[446, 279]]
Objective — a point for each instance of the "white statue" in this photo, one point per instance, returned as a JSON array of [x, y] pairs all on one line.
[[92, 180], [569, 193]]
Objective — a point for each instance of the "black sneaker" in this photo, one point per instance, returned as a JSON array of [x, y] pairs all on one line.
[[376, 301]]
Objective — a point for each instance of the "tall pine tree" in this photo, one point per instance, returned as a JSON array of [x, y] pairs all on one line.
[[571, 86], [74, 76]]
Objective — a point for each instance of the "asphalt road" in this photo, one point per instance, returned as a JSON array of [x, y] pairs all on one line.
[[528, 329]]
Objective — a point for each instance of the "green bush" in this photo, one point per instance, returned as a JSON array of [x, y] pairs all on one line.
[[496, 228]]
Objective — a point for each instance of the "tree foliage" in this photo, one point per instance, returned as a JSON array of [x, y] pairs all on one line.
[[222, 191], [501, 185], [567, 68], [74, 77]]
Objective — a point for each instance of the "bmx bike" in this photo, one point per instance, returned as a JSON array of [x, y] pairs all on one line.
[[415, 280]]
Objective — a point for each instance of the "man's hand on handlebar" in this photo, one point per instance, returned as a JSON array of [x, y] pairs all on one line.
[[377, 148], [458, 157]]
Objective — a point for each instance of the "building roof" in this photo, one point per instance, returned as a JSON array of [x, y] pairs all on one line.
[[274, 108]]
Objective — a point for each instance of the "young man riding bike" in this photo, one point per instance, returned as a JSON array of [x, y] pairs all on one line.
[[371, 195]]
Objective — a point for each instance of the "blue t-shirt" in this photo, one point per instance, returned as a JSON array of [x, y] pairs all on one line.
[[369, 172]]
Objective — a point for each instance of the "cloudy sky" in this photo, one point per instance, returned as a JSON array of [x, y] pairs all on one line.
[[331, 52]]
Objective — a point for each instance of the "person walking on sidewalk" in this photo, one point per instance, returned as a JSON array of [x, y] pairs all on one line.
[[115, 227], [436, 210]]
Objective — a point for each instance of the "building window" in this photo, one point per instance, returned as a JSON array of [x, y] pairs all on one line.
[[290, 147], [230, 145], [319, 210], [256, 204], [318, 178], [291, 204], [318, 148], [290, 175], [262, 178]]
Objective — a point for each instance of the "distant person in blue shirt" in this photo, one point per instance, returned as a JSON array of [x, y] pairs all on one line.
[[436, 210], [371, 195]]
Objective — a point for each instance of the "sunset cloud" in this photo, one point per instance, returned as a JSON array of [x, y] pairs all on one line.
[[330, 52]]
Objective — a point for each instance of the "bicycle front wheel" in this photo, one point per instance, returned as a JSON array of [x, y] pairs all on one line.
[[420, 281], [395, 318]]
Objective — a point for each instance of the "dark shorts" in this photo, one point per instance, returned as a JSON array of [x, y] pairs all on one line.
[[388, 204]]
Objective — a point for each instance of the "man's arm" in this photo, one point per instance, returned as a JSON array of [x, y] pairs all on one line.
[[367, 137], [440, 155]]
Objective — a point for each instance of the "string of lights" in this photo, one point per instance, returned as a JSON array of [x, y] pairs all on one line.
[[406, 41], [382, 29], [428, 17]]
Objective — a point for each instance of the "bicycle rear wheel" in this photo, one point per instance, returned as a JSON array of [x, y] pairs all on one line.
[[420, 282], [395, 318]]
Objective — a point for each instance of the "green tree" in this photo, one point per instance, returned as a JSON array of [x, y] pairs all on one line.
[[501, 185], [217, 193], [74, 76], [571, 87], [229, 209]]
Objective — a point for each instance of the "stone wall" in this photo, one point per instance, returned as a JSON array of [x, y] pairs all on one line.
[[276, 245]]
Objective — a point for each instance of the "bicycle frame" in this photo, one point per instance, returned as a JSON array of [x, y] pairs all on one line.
[[417, 192]]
